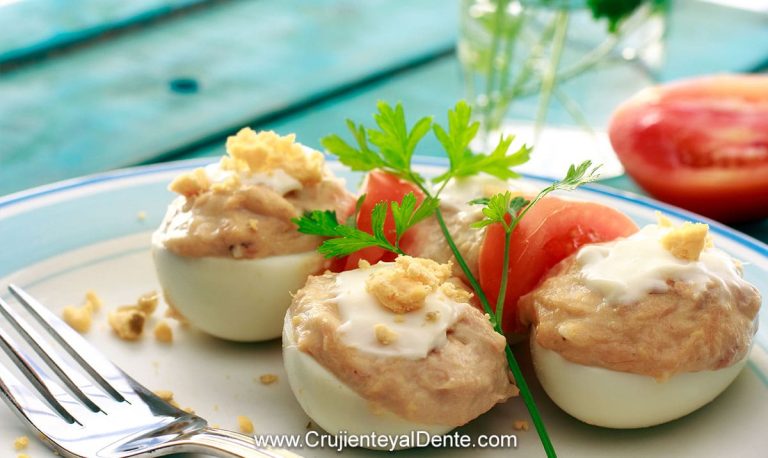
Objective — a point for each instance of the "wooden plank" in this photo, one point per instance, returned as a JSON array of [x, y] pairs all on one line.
[[30, 28], [432, 90], [110, 105]]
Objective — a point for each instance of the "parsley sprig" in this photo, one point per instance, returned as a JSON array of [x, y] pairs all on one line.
[[390, 147], [346, 239], [507, 210], [396, 145]]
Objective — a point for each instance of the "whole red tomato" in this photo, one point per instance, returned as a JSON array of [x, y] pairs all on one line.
[[700, 144]]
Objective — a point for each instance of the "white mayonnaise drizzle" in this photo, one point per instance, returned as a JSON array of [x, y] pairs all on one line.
[[277, 179], [416, 335], [625, 270]]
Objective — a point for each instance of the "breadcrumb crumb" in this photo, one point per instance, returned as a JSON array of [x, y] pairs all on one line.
[[163, 332], [93, 301], [268, 379], [141, 215], [521, 425], [245, 424], [78, 318], [127, 322], [686, 241], [147, 302], [384, 335], [404, 286], [165, 395], [20, 443]]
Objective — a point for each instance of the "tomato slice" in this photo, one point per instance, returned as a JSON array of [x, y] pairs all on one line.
[[551, 231], [380, 186], [701, 144]]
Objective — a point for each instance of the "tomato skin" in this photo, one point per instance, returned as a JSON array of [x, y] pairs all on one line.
[[551, 231], [700, 144], [380, 186]]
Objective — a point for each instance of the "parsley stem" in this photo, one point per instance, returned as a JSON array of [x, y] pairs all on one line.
[[525, 392], [504, 277], [530, 403], [464, 267]]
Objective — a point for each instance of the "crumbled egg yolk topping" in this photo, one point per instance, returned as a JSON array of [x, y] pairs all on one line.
[[20, 443], [245, 424], [403, 287], [255, 152], [686, 241], [81, 318]]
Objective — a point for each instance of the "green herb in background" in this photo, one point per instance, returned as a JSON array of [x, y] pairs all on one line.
[[532, 34], [395, 144]]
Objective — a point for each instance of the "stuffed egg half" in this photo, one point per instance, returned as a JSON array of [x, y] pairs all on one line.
[[392, 348], [642, 330], [227, 254]]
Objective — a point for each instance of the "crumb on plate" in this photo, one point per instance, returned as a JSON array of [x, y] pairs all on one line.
[[93, 301], [147, 302], [78, 318], [20, 443], [127, 322], [163, 332], [267, 379], [165, 395], [81, 318], [521, 425], [245, 424]]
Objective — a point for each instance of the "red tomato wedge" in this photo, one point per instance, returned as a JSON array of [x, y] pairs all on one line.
[[700, 144], [378, 187], [551, 231]]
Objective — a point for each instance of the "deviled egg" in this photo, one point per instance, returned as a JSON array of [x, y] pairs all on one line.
[[642, 330], [227, 254], [392, 348]]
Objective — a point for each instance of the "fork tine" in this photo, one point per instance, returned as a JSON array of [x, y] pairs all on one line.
[[106, 374], [26, 405], [44, 385], [72, 378]]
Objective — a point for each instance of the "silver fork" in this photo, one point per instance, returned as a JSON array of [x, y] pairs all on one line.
[[114, 417]]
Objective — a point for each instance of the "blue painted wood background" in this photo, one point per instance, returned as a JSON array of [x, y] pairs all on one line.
[[91, 85]]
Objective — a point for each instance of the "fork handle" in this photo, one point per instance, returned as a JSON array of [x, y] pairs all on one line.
[[221, 443]]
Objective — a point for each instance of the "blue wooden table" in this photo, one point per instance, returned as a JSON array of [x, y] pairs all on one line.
[[93, 85]]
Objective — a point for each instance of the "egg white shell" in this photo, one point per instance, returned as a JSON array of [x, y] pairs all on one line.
[[333, 405], [614, 399], [235, 299]]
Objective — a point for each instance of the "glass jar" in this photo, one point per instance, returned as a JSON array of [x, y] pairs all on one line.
[[540, 63]]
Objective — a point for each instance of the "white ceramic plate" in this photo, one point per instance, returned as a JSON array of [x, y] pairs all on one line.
[[61, 240]]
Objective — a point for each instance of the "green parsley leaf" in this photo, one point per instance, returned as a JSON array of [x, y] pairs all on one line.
[[318, 222], [395, 143], [360, 158], [500, 208], [465, 163], [507, 210], [406, 214], [346, 239], [615, 11]]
